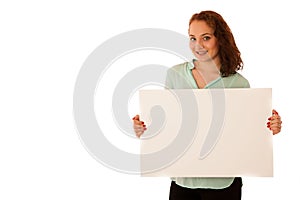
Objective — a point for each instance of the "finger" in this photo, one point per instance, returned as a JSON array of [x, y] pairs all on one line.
[[274, 112], [136, 120], [275, 125], [139, 129], [137, 117], [275, 121], [274, 117], [139, 126], [140, 132], [275, 129], [272, 126], [138, 123]]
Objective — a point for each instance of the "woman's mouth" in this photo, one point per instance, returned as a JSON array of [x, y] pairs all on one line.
[[201, 52]]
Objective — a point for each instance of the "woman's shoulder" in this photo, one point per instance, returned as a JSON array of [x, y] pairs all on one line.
[[238, 80], [240, 76], [180, 67]]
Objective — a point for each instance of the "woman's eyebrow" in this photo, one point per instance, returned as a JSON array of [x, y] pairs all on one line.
[[191, 35]]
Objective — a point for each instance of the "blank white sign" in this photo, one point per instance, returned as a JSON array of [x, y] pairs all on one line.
[[206, 133]]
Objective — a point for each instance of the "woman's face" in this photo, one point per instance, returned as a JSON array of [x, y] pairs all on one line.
[[203, 43]]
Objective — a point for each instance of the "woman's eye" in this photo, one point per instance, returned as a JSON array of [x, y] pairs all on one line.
[[192, 39], [206, 38]]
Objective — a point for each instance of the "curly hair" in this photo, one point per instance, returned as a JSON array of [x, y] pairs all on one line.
[[229, 54]]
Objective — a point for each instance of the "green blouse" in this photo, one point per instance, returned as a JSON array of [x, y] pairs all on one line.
[[180, 77]]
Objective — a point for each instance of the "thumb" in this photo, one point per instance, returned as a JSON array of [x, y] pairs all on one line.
[[274, 112], [137, 117]]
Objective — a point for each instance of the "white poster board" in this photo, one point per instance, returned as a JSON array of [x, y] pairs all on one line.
[[206, 133]]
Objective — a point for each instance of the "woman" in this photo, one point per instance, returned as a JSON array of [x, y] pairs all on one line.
[[217, 60]]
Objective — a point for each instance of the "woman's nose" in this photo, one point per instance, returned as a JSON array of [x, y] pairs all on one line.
[[199, 43]]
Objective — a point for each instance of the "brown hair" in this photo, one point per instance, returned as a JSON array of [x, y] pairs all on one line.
[[229, 54]]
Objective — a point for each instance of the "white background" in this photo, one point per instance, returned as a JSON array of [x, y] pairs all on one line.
[[42, 48]]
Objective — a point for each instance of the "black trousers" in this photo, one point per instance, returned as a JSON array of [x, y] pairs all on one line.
[[233, 192]]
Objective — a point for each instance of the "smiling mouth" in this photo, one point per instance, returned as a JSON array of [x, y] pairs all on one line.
[[201, 52]]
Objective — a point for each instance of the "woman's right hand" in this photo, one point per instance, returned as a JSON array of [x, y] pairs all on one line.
[[138, 126]]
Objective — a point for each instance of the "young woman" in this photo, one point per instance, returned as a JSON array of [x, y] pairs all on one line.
[[216, 64]]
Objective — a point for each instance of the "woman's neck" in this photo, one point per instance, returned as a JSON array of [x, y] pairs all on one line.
[[207, 66]]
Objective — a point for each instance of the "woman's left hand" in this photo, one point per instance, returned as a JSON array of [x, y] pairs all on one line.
[[275, 122]]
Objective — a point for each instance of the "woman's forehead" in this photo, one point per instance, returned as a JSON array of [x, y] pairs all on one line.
[[200, 27]]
